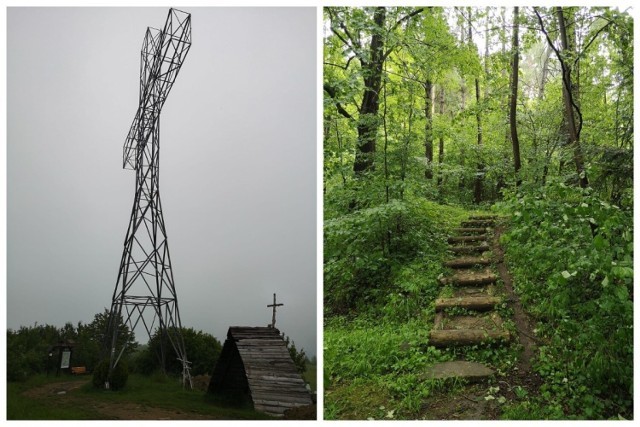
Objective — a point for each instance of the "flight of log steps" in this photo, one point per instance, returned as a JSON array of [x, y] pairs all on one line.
[[474, 291]]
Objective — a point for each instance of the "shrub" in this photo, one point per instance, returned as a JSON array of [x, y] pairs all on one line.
[[202, 349], [118, 377], [572, 259], [366, 249]]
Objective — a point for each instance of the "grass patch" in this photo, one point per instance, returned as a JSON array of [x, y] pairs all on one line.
[[149, 392], [358, 399], [21, 407], [310, 376], [371, 364]]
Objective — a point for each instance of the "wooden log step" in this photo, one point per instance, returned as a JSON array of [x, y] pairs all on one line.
[[488, 321], [476, 238], [481, 217], [469, 249], [470, 230], [478, 223], [470, 278], [466, 262], [477, 303], [474, 291], [461, 337]]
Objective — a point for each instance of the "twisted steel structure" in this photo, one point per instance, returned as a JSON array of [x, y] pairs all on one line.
[[145, 292]]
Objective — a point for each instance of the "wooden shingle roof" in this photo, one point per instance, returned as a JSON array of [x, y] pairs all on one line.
[[274, 384]]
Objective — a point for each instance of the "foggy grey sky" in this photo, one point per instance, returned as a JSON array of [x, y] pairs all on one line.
[[237, 164]]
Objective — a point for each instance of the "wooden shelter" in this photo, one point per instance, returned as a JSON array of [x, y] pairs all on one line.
[[255, 365]]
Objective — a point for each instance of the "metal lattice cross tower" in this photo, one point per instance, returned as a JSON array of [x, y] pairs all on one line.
[[273, 316], [145, 293]]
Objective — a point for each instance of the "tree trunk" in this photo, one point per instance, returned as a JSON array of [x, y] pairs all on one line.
[[368, 120], [486, 49], [441, 140], [477, 187], [463, 86], [386, 140], [503, 38], [514, 98], [428, 128], [545, 72], [407, 141], [570, 92]]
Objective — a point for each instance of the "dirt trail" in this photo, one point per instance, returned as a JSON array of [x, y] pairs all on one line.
[[523, 324]]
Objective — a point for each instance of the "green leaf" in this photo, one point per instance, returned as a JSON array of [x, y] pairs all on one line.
[[566, 274], [621, 292], [599, 242], [605, 282], [622, 272]]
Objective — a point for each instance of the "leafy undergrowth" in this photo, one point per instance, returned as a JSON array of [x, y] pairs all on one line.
[[372, 363], [571, 256], [384, 256]]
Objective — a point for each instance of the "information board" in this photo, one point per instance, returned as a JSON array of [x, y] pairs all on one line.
[[66, 358]]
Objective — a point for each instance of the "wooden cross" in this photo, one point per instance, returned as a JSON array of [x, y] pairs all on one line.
[[274, 305]]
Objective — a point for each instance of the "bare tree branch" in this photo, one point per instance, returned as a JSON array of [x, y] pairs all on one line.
[[584, 49], [565, 73], [332, 93], [344, 67], [343, 37], [398, 22]]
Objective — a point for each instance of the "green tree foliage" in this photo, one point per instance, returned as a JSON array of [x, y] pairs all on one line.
[[28, 350], [579, 287], [118, 379], [433, 46], [368, 35], [299, 357], [28, 347], [91, 342], [202, 348], [445, 75]]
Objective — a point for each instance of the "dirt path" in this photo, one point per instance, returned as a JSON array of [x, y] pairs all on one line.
[[523, 324], [62, 393]]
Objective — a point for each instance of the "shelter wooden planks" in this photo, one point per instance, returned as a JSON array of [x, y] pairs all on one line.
[[273, 382]]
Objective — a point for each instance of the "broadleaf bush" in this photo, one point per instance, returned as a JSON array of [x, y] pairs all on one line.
[[572, 256]]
